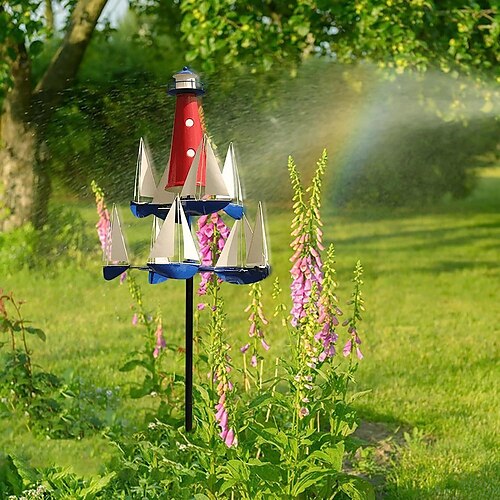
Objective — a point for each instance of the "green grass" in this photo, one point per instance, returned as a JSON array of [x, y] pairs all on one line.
[[432, 283]]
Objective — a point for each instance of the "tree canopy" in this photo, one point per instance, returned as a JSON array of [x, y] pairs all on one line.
[[401, 34]]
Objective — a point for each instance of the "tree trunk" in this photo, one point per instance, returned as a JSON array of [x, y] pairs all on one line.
[[17, 155], [25, 180]]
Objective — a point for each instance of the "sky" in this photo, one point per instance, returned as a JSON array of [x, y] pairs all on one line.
[[114, 11]]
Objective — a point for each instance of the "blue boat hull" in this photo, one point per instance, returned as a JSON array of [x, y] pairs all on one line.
[[235, 211], [191, 208], [175, 270], [155, 279], [112, 272], [242, 275]]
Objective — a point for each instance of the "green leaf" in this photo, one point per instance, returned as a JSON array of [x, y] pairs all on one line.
[[333, 456], [133, 363], [309, 477], [96, 486], [5, 325], [357, 488], [9, 475], [273, 436], [36, 331], [260, 400], [36, 47], [358, 395], [266, 471], [28, 473]]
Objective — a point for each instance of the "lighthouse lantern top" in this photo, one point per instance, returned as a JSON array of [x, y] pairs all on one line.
[[186, 82]]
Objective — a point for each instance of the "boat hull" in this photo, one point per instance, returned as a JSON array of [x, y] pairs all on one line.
[[141, 210], [175, 270], [191, 208], [234, 210], [242, 275], [155, 278], [113, 271]]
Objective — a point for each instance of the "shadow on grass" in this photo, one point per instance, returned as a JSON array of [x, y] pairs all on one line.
[[492, 267], [483, 484], [437, 235]]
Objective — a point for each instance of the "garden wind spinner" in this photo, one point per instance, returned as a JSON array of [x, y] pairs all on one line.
[[192, 185]]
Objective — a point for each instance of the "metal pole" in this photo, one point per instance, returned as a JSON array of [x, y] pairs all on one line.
[[189, 357]]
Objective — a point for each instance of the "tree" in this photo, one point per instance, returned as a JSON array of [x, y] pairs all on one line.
[[402, 35], [25, 181], [453, 36]]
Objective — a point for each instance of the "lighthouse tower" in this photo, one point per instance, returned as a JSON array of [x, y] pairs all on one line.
[[188, 129], [193, 171]]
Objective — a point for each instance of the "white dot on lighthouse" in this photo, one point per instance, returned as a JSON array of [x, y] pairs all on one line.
[[189, 122], [190, 152]]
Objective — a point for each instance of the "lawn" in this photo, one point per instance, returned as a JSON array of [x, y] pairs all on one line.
[[432, 284]]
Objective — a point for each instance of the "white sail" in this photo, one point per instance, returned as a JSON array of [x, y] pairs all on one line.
[[247, 230], [190, 251], [189, 188], [214, 181], [231, 176], [162, 197], [229, 254], [117, 252], [146, 184], [164, 245], [157, 223], [257, 254], [167, 240]]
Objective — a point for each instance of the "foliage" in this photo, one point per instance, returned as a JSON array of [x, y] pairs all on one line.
[[53, 407], [22, 482], [153, 357], [19, 24], [455, 36], [284, 436], [417, 164], [119, 97], [62, 239]]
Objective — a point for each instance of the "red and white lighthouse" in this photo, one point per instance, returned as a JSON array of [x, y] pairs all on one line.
[[188, 128]]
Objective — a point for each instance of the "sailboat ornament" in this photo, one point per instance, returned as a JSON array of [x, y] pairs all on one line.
[[191, 185]]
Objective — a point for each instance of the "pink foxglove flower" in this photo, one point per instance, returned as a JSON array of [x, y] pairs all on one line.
[[160, 340], [212, 234], [257, 320], [347, 348], [104, 223], [230, 439]]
